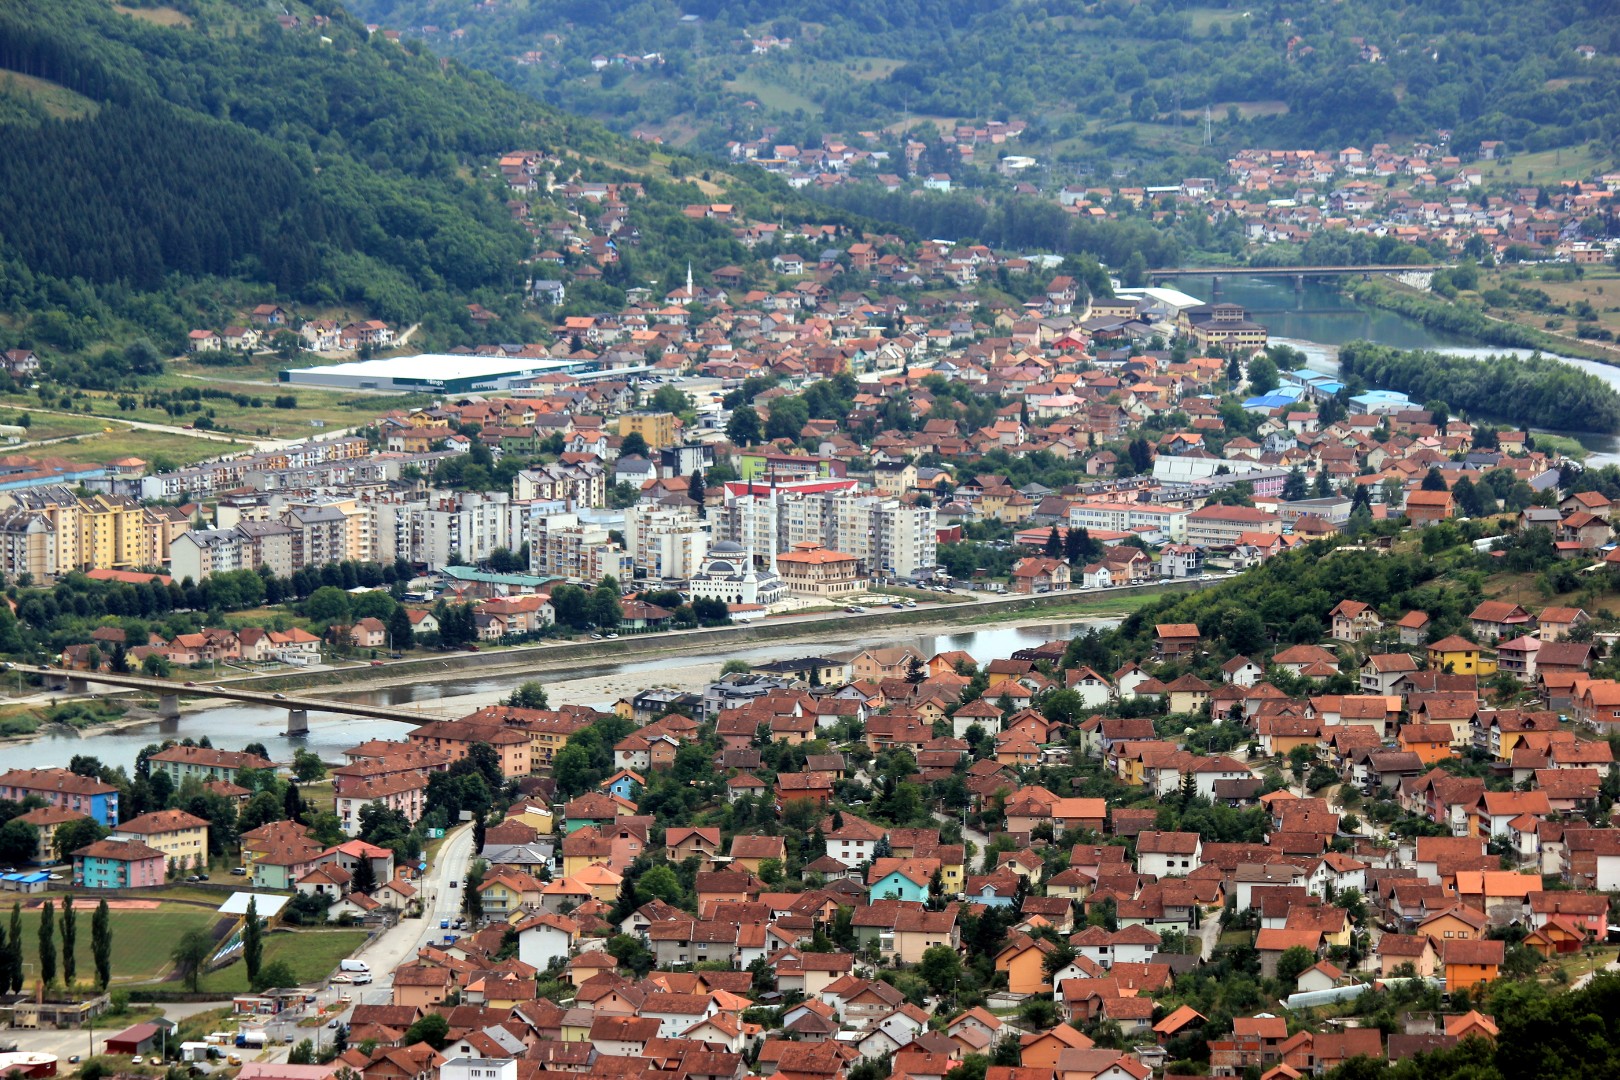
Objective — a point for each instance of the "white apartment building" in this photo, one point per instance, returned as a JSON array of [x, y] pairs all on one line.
[[247, 545], [666, 543], [883, 533], [560, 545], [582, 485], [1169, 521]]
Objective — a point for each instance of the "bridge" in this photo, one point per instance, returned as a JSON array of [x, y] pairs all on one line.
[[169, 693], [1298, 273], [1308, 271]]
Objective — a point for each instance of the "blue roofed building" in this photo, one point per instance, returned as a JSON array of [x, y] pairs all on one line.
[[1382, 401]]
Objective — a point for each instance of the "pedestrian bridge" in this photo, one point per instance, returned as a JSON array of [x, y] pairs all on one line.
[[168, 692]]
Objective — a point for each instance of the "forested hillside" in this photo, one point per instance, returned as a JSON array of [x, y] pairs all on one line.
[[161, 166], [1090, 78]]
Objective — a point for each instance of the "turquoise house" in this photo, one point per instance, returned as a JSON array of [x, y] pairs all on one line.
[[901, 879]]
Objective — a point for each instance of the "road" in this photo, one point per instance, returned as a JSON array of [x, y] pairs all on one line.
[[439, 900]]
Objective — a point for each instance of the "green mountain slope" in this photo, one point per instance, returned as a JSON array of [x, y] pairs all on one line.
[[159, 167], [1093, 79]]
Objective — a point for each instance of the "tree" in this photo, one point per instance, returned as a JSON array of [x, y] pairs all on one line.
[[302, 1054], [101, 943], [70, 941], [365, 877], [659, 883], [432, 1029], [1433, 481], [1262, 375], [1292, 963], [328, 604], [400, 634], [275, 973], [915, 671], [1140, 454], [190, 956], [252, 941], [472, 901], [743, 429], [696, 490], [47, 943], [1054, 544], [940, 968], [16, 951], [307, 766], [480, 833], [19, 841], [633, 445], [156, 666], [1294, 487], [604, 603], [528, 695]]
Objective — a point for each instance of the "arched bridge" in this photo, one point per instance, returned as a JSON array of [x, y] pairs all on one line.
[[168, 693]]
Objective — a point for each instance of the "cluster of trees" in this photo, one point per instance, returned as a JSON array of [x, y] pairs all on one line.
[[1534, 390]]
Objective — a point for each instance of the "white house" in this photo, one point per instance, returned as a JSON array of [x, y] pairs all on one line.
[[545, 938]]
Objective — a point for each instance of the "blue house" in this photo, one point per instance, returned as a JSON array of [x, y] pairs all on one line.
[[901, 879], [624, 784], [993, 890]]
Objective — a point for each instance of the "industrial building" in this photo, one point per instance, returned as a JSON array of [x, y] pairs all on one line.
[[441, 373]]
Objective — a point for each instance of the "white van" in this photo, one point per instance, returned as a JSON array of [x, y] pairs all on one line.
[[354, 965]]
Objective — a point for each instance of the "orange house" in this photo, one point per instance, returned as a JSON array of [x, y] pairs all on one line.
[[1023, 960], [1472, 963], [1040, 1051], [1430, 742]]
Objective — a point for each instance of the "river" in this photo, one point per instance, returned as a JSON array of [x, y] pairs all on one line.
[[1319, 318], [231, 727]]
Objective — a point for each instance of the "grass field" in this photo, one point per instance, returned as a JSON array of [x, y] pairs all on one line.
[[162, 16], [157, 447], [142, 940], [1546, 166], [311, 954], [60, 102], [769, 94]]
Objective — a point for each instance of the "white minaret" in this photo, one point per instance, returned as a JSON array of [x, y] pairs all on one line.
[[691, 295]]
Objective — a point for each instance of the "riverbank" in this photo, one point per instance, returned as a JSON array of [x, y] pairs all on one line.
[[593, 672], [845, 629], [1452, 318]]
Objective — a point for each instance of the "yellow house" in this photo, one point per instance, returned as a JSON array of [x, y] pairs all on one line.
[[603, 883], [1459, 656], [1023, 959], [952, 871], [501, 993], [510, 891], [915, 932], [182, 837], [576, 1026], [538, 818], [421, 418]]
